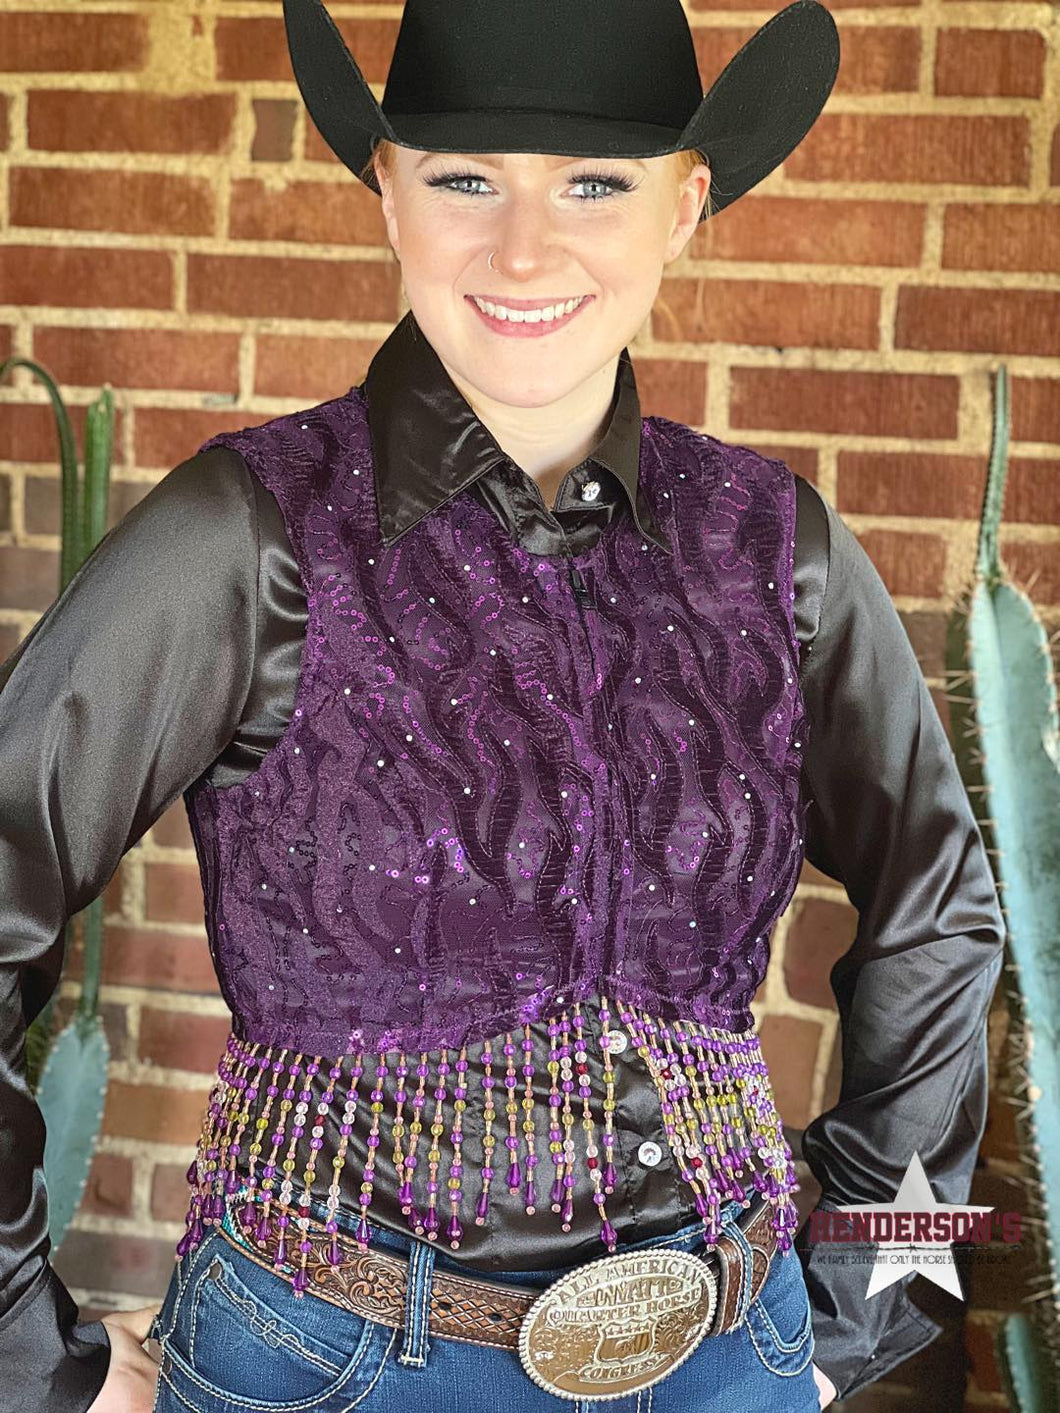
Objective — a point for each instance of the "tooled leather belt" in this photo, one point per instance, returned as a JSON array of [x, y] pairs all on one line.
[[372, 1283]]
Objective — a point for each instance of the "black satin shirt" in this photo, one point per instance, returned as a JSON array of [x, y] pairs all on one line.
[[175, 651]]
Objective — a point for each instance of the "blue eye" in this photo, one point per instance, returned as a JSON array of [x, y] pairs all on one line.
[[613, 182]]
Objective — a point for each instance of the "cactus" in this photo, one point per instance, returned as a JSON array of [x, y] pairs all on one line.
[[69, 1073], [1004, 712]]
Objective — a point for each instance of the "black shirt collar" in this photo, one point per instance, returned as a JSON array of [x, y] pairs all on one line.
[[428, 446]]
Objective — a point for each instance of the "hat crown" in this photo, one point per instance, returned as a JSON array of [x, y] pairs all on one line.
[[624, 60]]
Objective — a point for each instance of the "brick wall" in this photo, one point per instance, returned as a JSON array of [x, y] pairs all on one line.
[[172, 223]]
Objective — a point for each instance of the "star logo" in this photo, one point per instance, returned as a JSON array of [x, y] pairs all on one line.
[[931, 1258]]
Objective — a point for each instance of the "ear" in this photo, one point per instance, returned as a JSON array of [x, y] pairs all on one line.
[[690, 199]]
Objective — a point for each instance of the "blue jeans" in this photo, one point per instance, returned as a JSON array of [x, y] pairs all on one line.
[[236, 1340]]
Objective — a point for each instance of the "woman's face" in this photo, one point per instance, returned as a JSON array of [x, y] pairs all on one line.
[[600, 230]]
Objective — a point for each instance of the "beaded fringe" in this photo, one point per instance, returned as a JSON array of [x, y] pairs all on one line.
[[714, 1088]]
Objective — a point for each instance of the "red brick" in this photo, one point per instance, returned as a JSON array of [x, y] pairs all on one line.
[[256, 48], [789, 1048], [862, 403], [289, 287], [274, 120], [86, 277], [907, 563], [316, 149], [909, 483], [155, 1113], [820, 932], [1035, 567], [169, 1192], [168, 435], [879, 59], [990, 63], [808, 231], [27, 431], [64, 120], [995, 321], [1001, 237], [154, 959], [804, 460], [5, 126], [945, 485], [672, 387], [339, 213], [983, 150], [765, 312], [171, 830], [1035, 407], [182, 1041], [28, 578], [292, 365], [119, 1262], [68, 42], [140, 358], [108, 1192], [173, 893], [138, 203], [5, 505]]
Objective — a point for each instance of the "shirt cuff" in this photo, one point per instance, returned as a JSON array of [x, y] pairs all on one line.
[[857, 1339], [62, 1364]]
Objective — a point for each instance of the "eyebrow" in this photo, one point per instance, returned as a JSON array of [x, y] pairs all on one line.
[[488, 161]]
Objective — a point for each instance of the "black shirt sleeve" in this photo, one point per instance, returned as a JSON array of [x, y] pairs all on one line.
[[124, 691], [889, 817]]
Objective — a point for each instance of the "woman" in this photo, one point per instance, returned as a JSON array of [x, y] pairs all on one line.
[[488, 699]]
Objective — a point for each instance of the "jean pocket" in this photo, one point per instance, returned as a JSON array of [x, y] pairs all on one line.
[[779, 1317], [242, 1339]]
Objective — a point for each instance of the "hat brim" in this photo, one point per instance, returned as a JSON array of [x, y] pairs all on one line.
[[756, 113]]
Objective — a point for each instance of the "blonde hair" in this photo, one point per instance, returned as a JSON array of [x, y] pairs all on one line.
[[683, 163]]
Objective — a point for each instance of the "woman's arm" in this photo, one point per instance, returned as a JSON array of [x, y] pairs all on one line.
[[890, 818], [122, 694]]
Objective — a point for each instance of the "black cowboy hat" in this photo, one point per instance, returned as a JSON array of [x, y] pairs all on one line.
[[583, 78]]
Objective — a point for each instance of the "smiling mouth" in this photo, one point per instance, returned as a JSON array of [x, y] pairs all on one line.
[[525, 311]]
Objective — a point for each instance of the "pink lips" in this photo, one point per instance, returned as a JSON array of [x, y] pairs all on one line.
[[526, 330]]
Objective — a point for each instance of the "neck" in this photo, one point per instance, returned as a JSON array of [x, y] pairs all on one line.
[[546, 442]]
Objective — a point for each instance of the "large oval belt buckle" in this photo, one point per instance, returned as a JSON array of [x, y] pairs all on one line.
[[618, 1324]]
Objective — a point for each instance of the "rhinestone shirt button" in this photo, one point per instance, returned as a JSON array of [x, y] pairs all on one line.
[[590, 490], [650, 1154]]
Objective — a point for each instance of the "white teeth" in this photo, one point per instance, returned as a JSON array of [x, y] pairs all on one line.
[[527, 316]]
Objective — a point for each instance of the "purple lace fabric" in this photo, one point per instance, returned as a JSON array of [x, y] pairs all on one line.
[[491, 800]]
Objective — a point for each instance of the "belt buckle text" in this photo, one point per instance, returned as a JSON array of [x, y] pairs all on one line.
[[618, 1324]]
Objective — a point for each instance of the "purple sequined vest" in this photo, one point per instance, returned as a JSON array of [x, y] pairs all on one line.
[[491, 799]]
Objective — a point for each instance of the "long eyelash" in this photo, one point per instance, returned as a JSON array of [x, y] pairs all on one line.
[[620, 183]]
